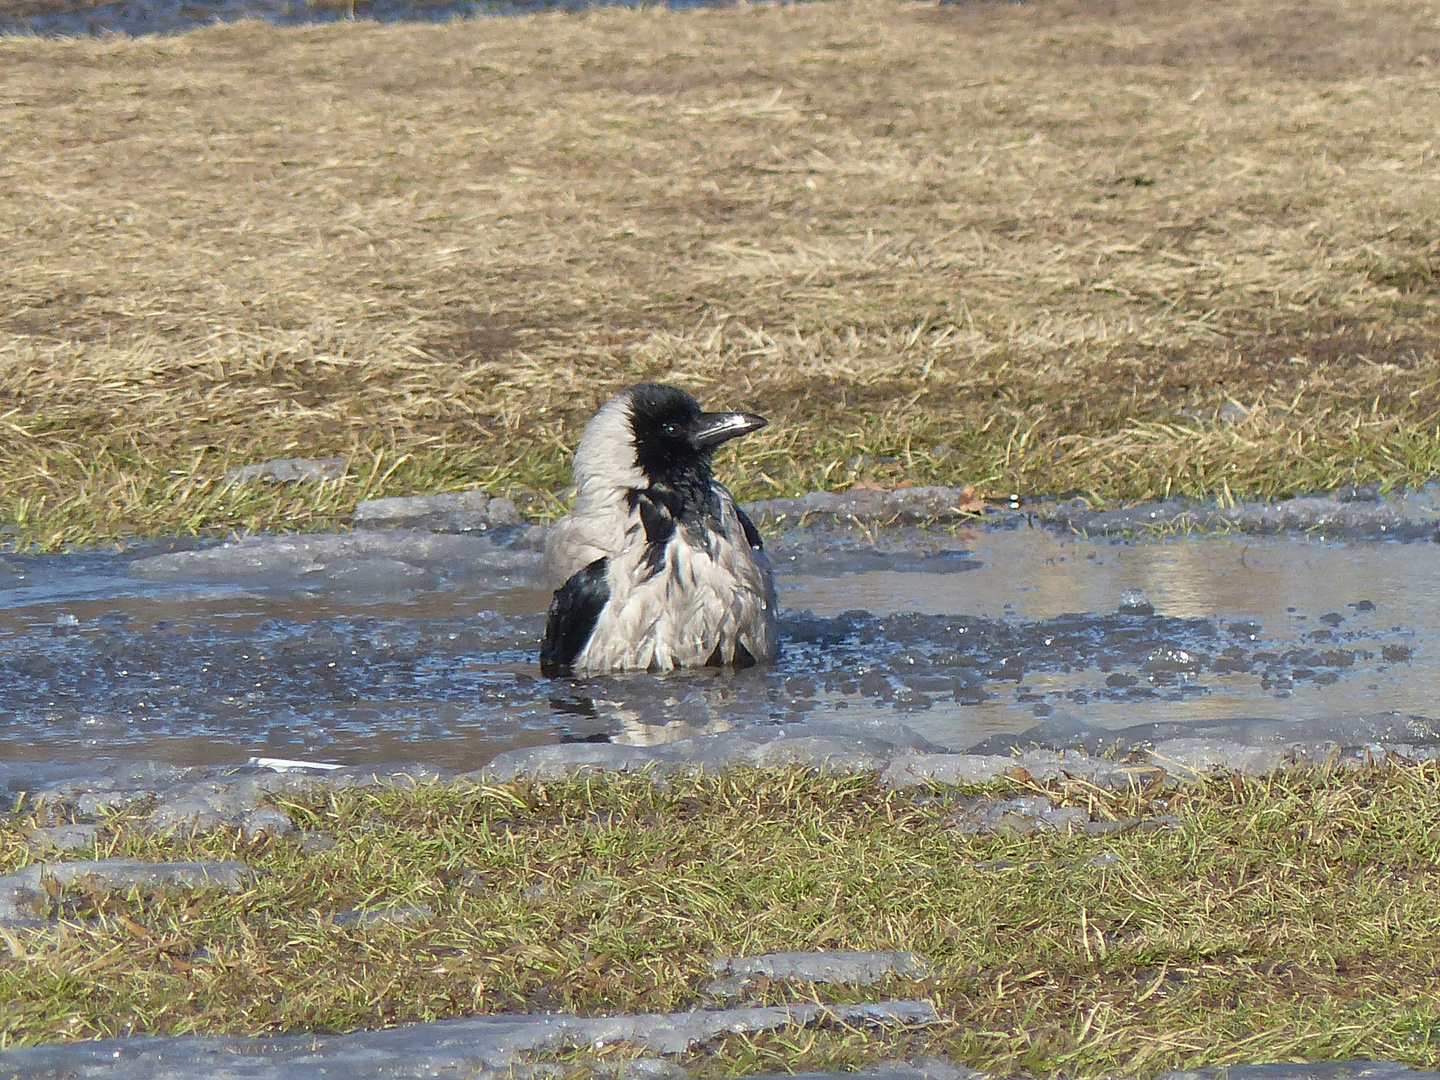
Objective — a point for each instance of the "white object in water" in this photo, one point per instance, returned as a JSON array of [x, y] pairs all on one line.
[[280, 764]]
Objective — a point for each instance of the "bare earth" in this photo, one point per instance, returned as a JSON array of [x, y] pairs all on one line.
[[1120, 248]]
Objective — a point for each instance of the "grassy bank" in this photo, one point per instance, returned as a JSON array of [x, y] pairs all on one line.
[[1288, 917], [1030, 247]]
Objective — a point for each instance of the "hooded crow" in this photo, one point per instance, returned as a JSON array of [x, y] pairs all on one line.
[[660, 568]]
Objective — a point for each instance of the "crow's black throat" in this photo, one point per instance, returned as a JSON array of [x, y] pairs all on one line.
[[680, 474]]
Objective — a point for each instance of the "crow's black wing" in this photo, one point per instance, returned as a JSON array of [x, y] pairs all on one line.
[[573, 614], [752, 534], [657, 514], [658, 519]]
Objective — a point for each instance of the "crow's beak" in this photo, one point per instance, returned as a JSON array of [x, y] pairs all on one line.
[[713, 428]]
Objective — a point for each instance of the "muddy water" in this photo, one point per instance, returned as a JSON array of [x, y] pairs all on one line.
[[385, 647]]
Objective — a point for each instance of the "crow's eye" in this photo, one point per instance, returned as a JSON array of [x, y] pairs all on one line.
[[671, 430]]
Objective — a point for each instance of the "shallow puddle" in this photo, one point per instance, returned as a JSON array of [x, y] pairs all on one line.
[[374, 648]]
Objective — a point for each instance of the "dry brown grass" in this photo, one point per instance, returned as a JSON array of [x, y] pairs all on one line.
[[1049, 240]]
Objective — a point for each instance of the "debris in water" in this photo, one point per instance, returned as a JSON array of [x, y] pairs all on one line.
[[276, 764], [1133, 602]]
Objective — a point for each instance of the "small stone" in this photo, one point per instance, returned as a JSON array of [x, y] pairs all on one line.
[[312, 843], [941, 1069], [984, 865], [536, 1070], [101, 803], [269, 821], [289, 471], [731, 986], [649, 1068], [911, 770], [22, 891], [209, 805], [596, 888], [1011, 825], [1104, 859], [1203, 757], [1233, 412], [400, 915], [64, 837], [1362, 493], [1110, 828], [1067, 820], [852, 968], [454, 512], [1157, 823], [475, 881], [502, 511], [1020, 817], [188, 815]]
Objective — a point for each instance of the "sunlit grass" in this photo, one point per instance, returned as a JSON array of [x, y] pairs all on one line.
[[1035, 248], [1292, 916]]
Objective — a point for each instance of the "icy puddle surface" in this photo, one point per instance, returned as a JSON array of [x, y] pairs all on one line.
[[368, 648], [78, 18]]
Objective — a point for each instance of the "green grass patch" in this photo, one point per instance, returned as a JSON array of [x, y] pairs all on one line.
[[1296, 916]]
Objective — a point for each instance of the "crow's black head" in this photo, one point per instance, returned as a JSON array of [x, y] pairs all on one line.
[[675, 439]]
